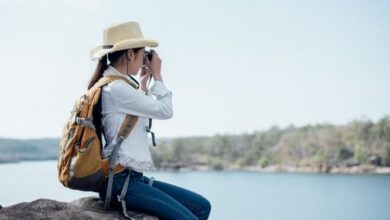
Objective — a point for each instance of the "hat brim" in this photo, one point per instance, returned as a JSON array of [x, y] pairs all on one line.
[[99, 52]]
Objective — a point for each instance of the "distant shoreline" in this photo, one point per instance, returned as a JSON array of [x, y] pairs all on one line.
[[358, 169], [20, 161]]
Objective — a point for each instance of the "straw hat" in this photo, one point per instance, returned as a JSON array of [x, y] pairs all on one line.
[[119, 37]]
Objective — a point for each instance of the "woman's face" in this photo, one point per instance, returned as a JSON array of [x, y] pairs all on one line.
[[136, 61]]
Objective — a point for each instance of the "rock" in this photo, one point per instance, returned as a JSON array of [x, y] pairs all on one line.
[[43, 209], [83, 208], [376, 160], [94, 206], [352, 164]]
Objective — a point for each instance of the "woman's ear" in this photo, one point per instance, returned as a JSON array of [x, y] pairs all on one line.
[[129, 54]]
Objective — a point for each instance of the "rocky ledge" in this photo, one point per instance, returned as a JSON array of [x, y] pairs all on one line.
[[83, 208]]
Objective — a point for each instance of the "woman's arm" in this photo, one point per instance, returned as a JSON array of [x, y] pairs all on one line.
[[129, 100]]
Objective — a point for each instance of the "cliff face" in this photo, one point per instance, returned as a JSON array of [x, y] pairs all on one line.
[[83, 208]]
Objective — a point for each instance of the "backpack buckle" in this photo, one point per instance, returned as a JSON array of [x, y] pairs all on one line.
[[85, 122]]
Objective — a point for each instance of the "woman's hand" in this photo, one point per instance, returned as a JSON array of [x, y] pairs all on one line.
[[155, 65], [144, 77], [152, 68]]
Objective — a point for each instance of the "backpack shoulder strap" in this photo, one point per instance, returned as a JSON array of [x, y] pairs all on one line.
[[127, 126], [107, 79], [124, 131], [95, 91]]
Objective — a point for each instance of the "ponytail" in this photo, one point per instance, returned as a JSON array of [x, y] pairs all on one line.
[[100, 67]]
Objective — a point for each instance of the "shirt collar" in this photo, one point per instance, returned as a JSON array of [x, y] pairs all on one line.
[[111, 70]]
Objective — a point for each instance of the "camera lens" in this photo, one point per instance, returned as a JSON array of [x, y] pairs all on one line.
[[148, 55]]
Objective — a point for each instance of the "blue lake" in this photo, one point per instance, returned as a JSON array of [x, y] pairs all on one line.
[[233, 194]]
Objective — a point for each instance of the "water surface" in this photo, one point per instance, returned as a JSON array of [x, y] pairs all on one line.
[[233, 194]]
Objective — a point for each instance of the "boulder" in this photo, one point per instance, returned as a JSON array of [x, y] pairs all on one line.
[[375, 160], [83, 208]]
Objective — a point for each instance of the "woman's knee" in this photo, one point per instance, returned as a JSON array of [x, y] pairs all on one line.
[[204, 209]]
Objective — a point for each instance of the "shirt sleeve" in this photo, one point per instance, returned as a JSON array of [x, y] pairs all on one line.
[[129, 100]]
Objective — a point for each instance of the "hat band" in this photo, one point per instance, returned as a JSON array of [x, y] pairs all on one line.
[[107, 46]]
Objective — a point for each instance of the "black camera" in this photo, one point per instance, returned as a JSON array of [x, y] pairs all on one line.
[[148, 55]]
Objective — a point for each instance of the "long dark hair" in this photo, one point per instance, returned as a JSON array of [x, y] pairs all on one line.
[[102, 64]]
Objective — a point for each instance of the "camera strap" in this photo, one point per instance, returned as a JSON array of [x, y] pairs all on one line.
[[134, 80], [149, 127]]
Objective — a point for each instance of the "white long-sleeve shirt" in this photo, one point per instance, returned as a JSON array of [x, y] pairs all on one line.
[[118, 99]]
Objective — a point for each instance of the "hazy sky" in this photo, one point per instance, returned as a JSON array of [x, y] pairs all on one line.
[[233, 66]]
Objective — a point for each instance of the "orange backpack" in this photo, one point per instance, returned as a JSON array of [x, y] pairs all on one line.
[[80, 163]]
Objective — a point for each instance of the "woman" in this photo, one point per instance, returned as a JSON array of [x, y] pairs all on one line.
[[124, 47]]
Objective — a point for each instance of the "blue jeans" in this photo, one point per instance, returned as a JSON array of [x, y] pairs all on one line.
[[163, 200]]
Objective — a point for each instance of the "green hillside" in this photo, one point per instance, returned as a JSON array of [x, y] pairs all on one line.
[[12, 150], [355, 143]]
